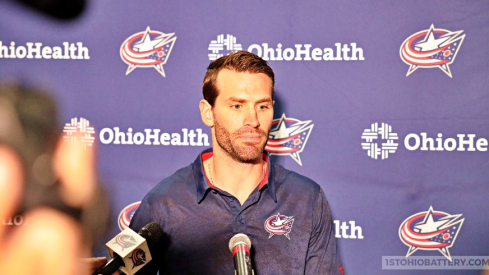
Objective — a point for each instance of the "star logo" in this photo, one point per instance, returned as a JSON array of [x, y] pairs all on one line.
[[431, 48], [288, 137], [147, 49], [279, 225], [430, 230]]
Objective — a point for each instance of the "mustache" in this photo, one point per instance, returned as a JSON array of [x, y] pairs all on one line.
[[251, 130]]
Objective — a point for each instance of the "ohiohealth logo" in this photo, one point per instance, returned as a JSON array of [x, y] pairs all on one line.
[[288, 137], [383, 147], [217, 46], [224, 45], [432, 48], [147, 49], [79, 130], [430, 230], [387, 144], [36, 50]]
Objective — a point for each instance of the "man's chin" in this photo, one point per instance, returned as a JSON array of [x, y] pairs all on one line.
[[250, 153], [251, 159]]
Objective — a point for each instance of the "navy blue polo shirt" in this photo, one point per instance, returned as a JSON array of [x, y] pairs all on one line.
[[286, 217]]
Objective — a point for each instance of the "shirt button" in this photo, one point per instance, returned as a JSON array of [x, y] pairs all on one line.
[[240, 218]]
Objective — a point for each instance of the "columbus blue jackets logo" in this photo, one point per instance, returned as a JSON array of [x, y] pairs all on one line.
[[430, 230], [138, 257], [125, 241], [147, 49], [288, 137], [126, 214], [431, 48], [279, 225]]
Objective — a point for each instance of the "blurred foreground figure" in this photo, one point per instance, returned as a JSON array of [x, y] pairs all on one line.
[[51, 184]]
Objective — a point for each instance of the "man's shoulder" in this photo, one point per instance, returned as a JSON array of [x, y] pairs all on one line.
[[285, 178], [183, 179], [180, 187]]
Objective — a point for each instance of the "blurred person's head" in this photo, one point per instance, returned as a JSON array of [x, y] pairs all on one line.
[[51, 167]]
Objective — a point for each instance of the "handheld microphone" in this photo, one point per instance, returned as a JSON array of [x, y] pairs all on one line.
[[240, 246], [129, 251]]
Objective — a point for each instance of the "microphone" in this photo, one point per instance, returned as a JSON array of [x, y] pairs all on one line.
[[130, 251], [240, 246]]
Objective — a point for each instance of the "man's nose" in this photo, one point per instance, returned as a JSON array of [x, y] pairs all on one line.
[[251, 118]]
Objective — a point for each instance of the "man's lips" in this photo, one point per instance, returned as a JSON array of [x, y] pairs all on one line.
[[251, 137]]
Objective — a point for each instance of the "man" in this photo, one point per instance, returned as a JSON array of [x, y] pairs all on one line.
[[235, 188]]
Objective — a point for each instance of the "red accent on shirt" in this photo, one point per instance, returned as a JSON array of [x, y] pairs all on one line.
[[204, 157], [265, 178], [208, 155]]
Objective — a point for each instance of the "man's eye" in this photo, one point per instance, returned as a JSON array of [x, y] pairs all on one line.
[[236, 106], [263, 107]]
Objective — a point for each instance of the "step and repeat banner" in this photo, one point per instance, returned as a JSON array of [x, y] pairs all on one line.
[[384, 103]]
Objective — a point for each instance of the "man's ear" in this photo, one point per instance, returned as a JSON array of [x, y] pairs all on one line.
[[206, 113]]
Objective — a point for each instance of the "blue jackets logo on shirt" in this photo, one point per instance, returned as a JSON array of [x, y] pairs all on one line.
[[279, 225]]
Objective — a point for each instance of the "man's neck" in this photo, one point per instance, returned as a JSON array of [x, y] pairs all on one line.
[[237, 178]]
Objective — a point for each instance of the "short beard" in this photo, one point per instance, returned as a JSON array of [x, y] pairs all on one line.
[[247, 153]]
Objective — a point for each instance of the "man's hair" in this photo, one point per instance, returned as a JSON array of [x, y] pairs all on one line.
[[241, 61]]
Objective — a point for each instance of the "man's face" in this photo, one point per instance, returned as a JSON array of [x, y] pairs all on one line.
[[243, 113]]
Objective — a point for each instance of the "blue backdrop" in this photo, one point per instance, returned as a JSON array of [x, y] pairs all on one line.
[[383, 103]]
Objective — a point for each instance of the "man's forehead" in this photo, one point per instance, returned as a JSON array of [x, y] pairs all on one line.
[[230, 73], [234, 78]]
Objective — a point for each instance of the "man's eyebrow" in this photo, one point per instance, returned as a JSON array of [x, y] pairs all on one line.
[[234, 99], [265, 100], [241, 100]]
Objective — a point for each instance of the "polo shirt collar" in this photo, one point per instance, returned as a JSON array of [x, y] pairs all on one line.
[[204, 185]]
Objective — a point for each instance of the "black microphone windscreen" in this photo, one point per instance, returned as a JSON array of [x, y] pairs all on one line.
[[152, 232]]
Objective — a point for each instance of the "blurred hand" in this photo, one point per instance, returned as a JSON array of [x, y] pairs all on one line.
[[95, 263], [52, 242]]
